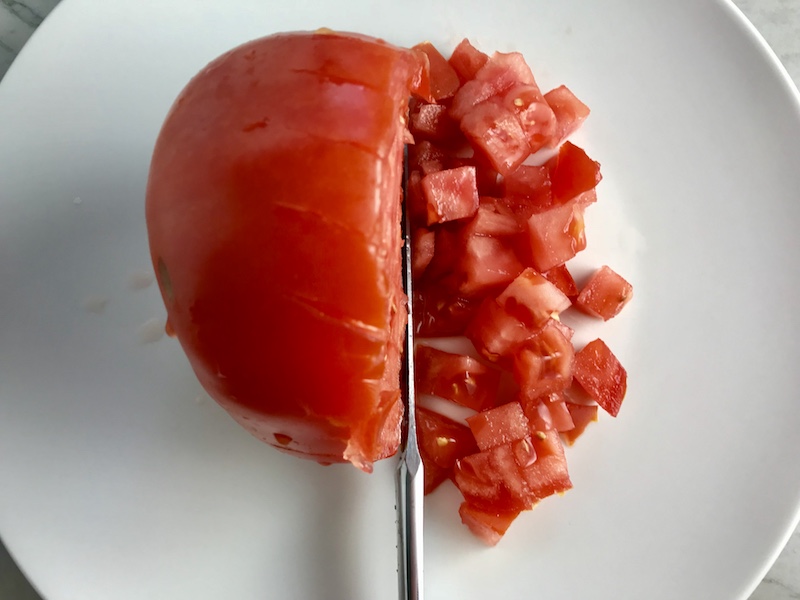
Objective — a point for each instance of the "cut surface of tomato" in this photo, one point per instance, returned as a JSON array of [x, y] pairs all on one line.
[[582, 415], [442, 442], [602, 376], [573, 172], [443, 79], [570, 112], [605, 294], [499, 425], [496, 131], [556, 235], [467, 60], [488, 526], [450, 194], [455, 377], [543, 365], [533, 299]]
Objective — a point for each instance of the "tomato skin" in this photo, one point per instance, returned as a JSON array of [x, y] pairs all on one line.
[[255, 258]]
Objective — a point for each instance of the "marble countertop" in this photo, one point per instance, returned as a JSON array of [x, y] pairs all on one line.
[[777, 20]]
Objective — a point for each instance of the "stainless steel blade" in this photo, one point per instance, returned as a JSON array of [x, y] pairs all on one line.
[[410, 475]]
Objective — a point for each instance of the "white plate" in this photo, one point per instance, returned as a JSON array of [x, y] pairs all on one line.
[[119, 480]]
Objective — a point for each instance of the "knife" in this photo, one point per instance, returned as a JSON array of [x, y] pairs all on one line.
[[410, 474]]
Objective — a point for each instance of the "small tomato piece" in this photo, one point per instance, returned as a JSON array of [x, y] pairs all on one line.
[[582, 415], [455, 377], [569, 111], [450, 194], [500, 425], [467, 60], [443, 79], [605, 294], [601, 375], [489, 526]]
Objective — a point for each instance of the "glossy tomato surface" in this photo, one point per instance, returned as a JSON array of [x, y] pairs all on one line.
[[273, 210]]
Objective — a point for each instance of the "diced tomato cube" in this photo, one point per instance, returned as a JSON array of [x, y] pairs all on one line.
[[455, 377], [532, 298], [556, 235], [601, 375], [531, 183], [569, 111], [489, 526], [420, 85], [582, 415], [500, 425], [494, 218], [496, 334], [500, 73], [562, 279], [549, 474], [543, 365], [487, 264], [425, 150], [443, 79], [422, 244], [573, 173], [467, 60], [493, 479], [535, 116], [431, 121], [547, 412], [438, 312], [604, 294], [415, 198], [566, 330], [451, 194], [495, 131], [443, 440]]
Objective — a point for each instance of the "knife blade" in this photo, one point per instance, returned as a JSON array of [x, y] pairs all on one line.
[[410, 474]]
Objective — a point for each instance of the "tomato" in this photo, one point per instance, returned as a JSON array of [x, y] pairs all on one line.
[[442, 442], [455, 377], [562, 279], [543, 364], [254, 257], [531, 183], [494, 218], [556, 234], [605, 294], [451, 194], [467, 60], [599, 372], [422, 250], [533, 298], [496, 334], [438, 312], [573, 173], [487, 264], [582, 415], [549, 474], [570, 112], [501, 425], [496, 131], [443, 79], [487, 525], [431, 122], [534, 114]]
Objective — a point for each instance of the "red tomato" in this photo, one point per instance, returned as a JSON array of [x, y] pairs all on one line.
[[548, 475], [467, 60], [573, 173], [601, 375], [431, 121], [543, 365], [496, 131], [556, 234], [438, 312], [562, 279], [423, 247], [531, 183], [533, 299], [451, 194], [443, 79], [442, 442], [487, 525], [497, 334], [455, 377], [500, 425], [255, 258], [534, 114], [569, 111], [605, 294]]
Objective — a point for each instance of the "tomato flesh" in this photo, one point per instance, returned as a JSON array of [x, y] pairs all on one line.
[[450, 194], [500, 425], [467, 60], [605, 294], [582, 415], [543, 365], [443, 79], [602, 376], [455, 377], [442, 442], [487, 525], [570, 112]]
